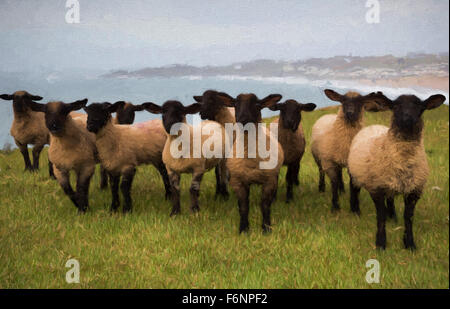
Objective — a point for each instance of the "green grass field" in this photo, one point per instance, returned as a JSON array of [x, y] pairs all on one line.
[[310, 247]]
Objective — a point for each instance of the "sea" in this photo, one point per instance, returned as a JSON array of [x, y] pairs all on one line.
[[72, 86]]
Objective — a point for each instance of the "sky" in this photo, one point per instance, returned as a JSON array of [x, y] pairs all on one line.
[[132, 34]]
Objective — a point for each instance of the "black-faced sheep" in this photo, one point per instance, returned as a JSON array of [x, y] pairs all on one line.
[[389, 161], [331, 138], [213, 108], [28, 127], [247, 170], [121, 148], [291, 138], [174, 113], [72, 148]]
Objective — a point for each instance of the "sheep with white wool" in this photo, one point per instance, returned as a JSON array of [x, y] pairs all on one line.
[[389, 161], [28, 127], [332, 136], [248, 170], [122, 148], [72, 148], [213, 108], [291, 138], [194, 160]]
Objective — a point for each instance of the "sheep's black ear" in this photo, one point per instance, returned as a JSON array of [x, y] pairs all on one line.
[[434, 101], [37, 107], [152, 108], [114, 107], [377, 101], [7, 97], [138, 108], [226, 99], [74, 106], [35, 97], [192, 109], [270, 100], [277, 107], [308, 107], [198, 98], [333, 95]]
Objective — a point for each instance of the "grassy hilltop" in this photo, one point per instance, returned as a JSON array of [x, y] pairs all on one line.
[[309, 247]]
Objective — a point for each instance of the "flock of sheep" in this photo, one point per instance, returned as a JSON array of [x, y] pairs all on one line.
[[385, 161]]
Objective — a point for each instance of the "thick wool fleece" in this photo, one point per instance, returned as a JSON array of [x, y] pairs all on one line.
[[331, 138], [191, 164], [293, 143], [123, 146], [379, 159], [29, 128], [74, 149], [247, 170]]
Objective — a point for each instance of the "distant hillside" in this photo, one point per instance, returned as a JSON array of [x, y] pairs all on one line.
[[338, 67]]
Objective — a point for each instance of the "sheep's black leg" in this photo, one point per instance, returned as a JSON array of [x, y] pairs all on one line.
[[83, 181], [242, 192], [114, 181], [410, 203], [221, 180], [296, 173], [354, 197], [195, 191], [321, 175], [165, 177], [391, 208], [26, 156], [125, 187], [340, 180], [36, 154], [378, 199], [50, 170], [103, 178], [268, 191], [175, 192], [291, 176], [63, 178], [218, 188], [333, 174]]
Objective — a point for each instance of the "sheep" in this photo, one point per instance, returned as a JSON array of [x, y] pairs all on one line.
[[291, 138], [72, 148], [214, 109], [121, 148], [246, 170], [389, 161], [173, 112], [28, 127], [331, 138], [125, 114]]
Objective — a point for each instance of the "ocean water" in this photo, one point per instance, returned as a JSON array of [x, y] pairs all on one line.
[[69, 87]]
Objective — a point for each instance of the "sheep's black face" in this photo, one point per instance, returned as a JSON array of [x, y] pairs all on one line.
[[21, 100], [248, 107], [98, 115], [172, 112], [210, 105], [126, 113], [408, 110], [352, 104], [290, 113]]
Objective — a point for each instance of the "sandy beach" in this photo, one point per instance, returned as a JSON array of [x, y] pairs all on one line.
[[424, 81]]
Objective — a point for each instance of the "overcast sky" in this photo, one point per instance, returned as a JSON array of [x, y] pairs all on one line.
[[136, 33]]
